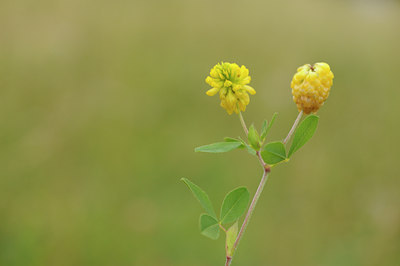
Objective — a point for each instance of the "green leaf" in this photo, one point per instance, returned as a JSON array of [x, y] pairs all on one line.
[[201, 196], [231, 235], [248, 147], [229, 139], [234, 205], [209, 226], [264, 129], [254, 138], [265, 132], [219, 147], [274, 152], [304, 133]]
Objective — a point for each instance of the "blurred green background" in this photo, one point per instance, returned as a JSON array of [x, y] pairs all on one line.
[[103, 102]]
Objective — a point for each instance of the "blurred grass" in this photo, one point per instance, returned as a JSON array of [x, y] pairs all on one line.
[[102, 103]]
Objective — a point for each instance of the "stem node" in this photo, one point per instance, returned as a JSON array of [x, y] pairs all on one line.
[[228, 260], [267, 168]]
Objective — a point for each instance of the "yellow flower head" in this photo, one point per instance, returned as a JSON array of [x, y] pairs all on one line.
[[230, 81], [310, 86]]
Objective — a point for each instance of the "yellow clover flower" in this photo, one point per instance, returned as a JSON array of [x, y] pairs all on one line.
[[310, 86], [230, 81]]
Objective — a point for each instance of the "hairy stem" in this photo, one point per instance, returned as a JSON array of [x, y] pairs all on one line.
[[293, 127]]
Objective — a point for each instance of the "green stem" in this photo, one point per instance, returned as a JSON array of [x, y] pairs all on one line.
[[296, 122], [243, 124]]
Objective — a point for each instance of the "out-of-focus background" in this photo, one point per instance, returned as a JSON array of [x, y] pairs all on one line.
[[103, 102]]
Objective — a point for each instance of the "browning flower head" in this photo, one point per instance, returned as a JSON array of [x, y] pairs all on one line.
[[230, 81], [310, 86]]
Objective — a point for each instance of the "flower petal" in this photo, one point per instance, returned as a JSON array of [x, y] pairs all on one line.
[[212, 92], [249, 89]]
